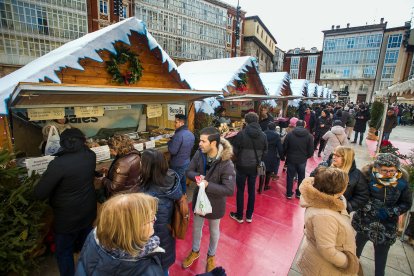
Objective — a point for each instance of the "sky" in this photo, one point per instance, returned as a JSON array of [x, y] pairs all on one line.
[[299, 23]]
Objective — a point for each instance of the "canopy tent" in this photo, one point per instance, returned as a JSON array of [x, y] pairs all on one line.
[[70, 54], [299, 88]]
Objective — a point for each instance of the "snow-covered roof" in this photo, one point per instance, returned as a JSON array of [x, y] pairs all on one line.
[[216, 74], [312, 89], [320, 91], [274, 82], [325, 92], [207, 105], [69, 55], [298, 87]]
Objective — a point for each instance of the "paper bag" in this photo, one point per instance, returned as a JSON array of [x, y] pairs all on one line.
[[53, 141]]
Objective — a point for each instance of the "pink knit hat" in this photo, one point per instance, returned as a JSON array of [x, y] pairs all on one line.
[[292, 121]]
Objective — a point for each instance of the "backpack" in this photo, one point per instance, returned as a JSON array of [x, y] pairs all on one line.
[[180, 218]]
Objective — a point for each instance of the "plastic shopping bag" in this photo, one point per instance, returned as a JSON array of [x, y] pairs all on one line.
[[203, 205], [53, 141]]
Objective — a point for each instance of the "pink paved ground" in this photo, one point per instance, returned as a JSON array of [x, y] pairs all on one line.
[[265, 247]]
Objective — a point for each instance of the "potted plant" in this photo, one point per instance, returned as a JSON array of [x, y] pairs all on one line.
[[377, 111], [22, 219]]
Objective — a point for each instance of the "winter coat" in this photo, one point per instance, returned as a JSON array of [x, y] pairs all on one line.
[[329, 245], [265, 122], [357, 192], [221, 178], [298, 146], [123, 175], [335, 137], [68, 182], [243, 145], [312, 120], [390, 123], [345, 117], [361, 119], [351, 120], [326, 121], [396, 201], [180, 146], [274, 151], [166, 194], [96, 261]]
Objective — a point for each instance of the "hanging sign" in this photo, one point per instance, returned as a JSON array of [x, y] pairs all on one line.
[[154, 110], [38, 164], [102, 153], [117, 107], [89, 111], [38, 114], [175, 109], [139, 146]]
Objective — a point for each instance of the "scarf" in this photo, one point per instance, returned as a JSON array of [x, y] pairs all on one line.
[[381, 181]]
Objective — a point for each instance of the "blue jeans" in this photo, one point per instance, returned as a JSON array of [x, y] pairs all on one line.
[[66, 244], [180, 170], [292, 170], [386, 136], [241, 183]]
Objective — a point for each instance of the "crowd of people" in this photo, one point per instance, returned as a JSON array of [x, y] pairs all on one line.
[[345, 206]]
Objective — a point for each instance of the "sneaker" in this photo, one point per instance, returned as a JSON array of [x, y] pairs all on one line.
[[211, 264], [249, 220], [190, 259], [234, 216], [266, 188], [297, 195], [353, 142], [289, 196]]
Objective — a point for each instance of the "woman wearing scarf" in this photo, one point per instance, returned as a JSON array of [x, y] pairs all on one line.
[[390, 196], [329, 243]]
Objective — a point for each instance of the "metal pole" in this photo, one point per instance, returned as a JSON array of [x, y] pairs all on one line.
[[237, 30]]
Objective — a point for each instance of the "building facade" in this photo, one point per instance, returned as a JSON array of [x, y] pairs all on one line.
[[102, 13], [259, 42], [350, 60], [30, 29], [303, 64], [278, 60], [234, 46], [187, 30]]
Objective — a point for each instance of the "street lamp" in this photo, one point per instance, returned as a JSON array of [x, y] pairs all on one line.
[[237, 30]]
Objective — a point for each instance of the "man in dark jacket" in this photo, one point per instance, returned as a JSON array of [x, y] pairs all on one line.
[[212, 163], [323, 125], [297, 147], [180, 147], [390, 123], [274, 153], [250, 145], [310, 120], [68, 182], [361, 118], [345, 116], [265, 118]]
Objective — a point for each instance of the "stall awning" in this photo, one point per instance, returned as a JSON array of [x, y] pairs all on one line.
[[32, 95], [255, 97]]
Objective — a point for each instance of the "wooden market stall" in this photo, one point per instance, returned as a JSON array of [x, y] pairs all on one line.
[[278, 84], [117, 80]]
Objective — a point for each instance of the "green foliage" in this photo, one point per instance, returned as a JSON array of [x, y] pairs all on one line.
[[201, 121], [122, 56], [20, 218], [409, 167], [292, 112], [377, 111]]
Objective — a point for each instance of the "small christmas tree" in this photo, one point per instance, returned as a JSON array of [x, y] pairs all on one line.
[[21, 216]]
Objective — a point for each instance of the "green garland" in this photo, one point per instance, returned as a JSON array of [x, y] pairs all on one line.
[[122, 56]]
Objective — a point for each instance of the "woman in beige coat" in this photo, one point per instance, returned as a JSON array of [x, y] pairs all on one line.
[[329, 245]]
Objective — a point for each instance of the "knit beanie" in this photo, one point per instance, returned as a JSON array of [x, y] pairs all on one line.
[[337, 123], [293, 121], [387, 159]]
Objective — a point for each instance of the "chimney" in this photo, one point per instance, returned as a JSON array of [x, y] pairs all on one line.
[[347, 25], [338, 26], [333, 27], [382, 20]]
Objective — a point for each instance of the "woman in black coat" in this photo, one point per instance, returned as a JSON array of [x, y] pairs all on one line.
[[274, 152], [164, 184], [323, 125], [361, 118]]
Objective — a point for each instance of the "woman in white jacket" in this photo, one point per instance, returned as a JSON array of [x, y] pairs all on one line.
[[335, 137]]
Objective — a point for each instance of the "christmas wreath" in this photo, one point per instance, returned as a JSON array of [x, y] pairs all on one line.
[[123, 56]]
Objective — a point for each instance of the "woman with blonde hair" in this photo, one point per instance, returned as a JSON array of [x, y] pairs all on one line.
[[357, 192], [329, 245], [122, 242], [124, 173]]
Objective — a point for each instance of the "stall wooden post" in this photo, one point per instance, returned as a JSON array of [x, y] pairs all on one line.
[[191, 116], [5, 140]]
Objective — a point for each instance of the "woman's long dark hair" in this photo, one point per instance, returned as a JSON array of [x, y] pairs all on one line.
[[154, 168]]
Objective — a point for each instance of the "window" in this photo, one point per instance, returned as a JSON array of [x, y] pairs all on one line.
[[388, 72], [350, 43], [346, 72], [329, 45], [257, 29], [124, 11], [103, 7], [228, 38], [394, 41], [294, 63], [229, 21], [391, 56], [294, 73], [238, 42]]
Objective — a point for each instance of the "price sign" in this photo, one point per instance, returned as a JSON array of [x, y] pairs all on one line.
[[102, 153], [150, 144], [38, 164], [37, 114], [154, 110], [139, 146], [89, 111], [175, 109]]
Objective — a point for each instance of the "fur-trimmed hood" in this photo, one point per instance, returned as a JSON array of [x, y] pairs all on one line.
[[367, 169], [311, 197], [225, 150]]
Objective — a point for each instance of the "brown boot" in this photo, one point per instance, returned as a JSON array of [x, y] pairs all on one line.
[[211, 264], [190, 259]]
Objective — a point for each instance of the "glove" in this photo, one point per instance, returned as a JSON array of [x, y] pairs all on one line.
[[382, 214]]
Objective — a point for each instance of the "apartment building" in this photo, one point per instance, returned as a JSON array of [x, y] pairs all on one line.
[[303, 64]]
